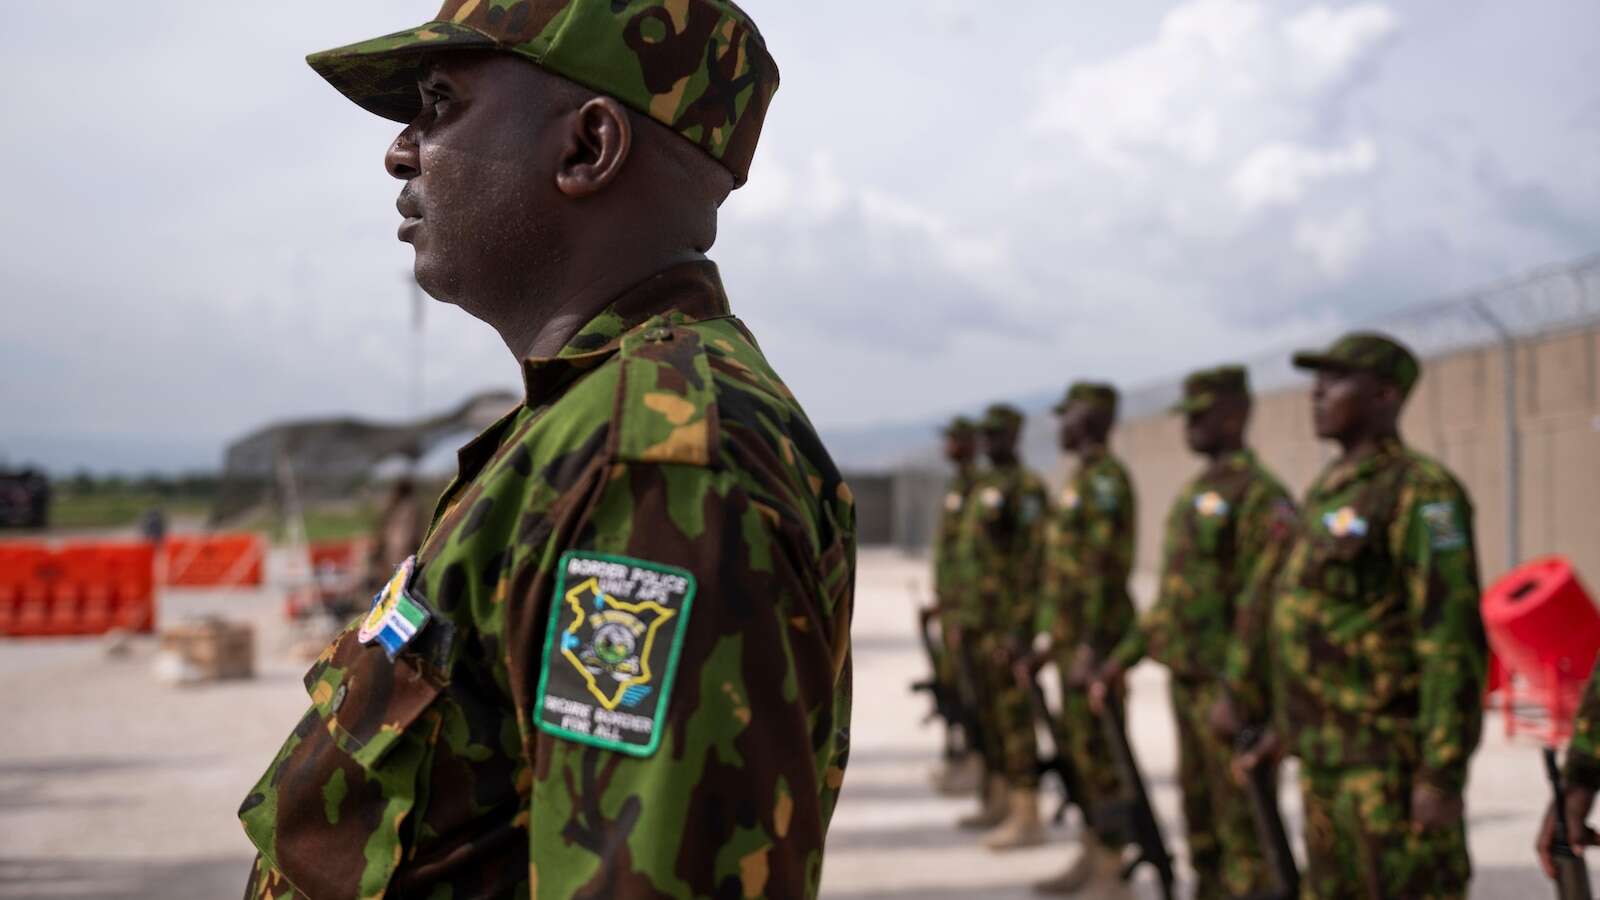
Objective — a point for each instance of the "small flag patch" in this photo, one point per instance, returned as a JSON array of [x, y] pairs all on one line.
[[396, 617]]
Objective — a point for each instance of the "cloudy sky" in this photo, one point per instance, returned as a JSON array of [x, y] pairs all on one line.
[[949, 206]]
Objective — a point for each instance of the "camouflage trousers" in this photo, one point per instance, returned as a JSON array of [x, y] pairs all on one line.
[[1009, 727], [1082, 738], [1223, 848], [1359, 842]]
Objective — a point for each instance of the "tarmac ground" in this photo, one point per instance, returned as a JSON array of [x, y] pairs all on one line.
[[116, 786]]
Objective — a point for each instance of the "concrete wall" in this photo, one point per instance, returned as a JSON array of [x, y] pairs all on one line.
[[1458, 415]]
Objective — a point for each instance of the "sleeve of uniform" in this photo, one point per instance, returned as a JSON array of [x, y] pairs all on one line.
[[1025, 606], [1158, 619], [1434, 540], [721, 777], [1583, 754], [1108, 551], [1267, 522]]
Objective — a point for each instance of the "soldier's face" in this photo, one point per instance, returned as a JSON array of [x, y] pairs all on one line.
[[1341, 402], [1074, 425], [1217, 427], [1000, 444], [478, 165], [1202, 429], [960, 449]]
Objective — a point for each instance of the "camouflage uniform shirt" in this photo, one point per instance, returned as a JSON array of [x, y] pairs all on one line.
[[635, 681], [1225, 534], [1583, 753], [946, 542], [1377, 647], [998, 552], [1089, 555]]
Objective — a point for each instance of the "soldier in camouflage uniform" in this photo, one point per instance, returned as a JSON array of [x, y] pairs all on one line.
[[631, 610], [999, 555], [1225, 536], [1582, 778], [1088, 559], [1376, 647], [962, 767]]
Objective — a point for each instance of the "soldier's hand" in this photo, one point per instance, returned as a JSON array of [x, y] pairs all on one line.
[[1579, 834], [1432, 809], [1109, 675], [1081, 672], [1027, 666], [1267, 750], [1224, 719]]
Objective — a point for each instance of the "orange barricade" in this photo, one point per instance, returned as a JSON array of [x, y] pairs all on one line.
[[214, 560], [86, 588]]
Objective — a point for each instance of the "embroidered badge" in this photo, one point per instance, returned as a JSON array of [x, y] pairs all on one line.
[[952, 502], [1106, 490], [1031, 508], [1211, 505], [396, 616], [1444, 526], [616, 629], [1345, 523], [1070, 498]]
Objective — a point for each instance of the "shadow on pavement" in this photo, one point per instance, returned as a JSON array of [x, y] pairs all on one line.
[[73, 879]]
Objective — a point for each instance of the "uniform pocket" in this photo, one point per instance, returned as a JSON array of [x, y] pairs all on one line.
[[367, 700], [331, 813]]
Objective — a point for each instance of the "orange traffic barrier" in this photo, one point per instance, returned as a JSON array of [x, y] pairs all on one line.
[[214, 560], [80, 588]]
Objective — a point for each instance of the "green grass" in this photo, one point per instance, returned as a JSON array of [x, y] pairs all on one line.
[[115, 509]]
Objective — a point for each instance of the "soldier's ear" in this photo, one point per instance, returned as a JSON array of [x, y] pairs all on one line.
[[598, 142]]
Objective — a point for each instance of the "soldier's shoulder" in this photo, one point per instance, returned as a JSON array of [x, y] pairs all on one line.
[[1266, 482], [1426, 475], [702, 393], [1031, 482]]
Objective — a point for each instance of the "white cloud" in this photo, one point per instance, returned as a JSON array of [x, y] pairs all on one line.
[[1329, 44], [1334, 243], [1280, 173], [1217, 75]]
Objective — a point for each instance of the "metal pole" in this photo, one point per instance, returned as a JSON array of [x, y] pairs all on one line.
[[1508, 351]]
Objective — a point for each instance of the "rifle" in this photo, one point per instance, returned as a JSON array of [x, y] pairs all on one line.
[[1058, 762], [1131, 816], [1572, 877], [1262, 789], [945, 706]]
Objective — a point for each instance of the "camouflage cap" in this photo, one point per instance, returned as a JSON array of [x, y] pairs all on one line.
[[1002, 417], [699, 67], [959, 427], [1090, 392], [1202, 389], [1378, 354]]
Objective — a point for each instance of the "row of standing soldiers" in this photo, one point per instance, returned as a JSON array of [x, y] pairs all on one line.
[[1343, 630]]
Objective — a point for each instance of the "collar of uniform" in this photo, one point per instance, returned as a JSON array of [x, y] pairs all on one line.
[[687, 292], [1362, 464], [1229, 462]]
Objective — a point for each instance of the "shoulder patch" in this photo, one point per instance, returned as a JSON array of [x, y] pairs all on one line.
[[1443, 521], [1105, 488], [668, 409], [611, 653], [1030, 508]]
